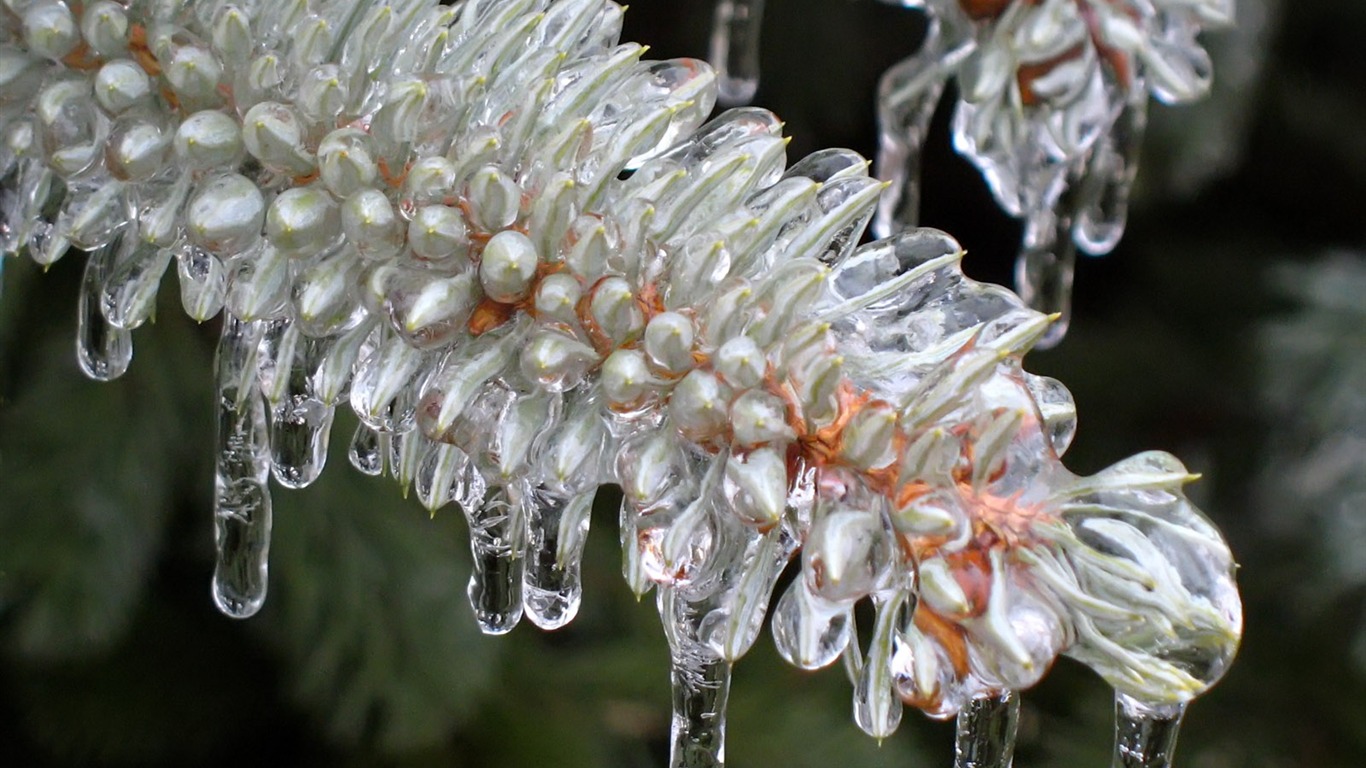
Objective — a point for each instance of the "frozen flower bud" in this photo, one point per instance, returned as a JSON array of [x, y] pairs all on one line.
[[208, 139], [699, 405], [669, 342], [431, 180], [556, 361], [395, 123], [311, 42], [370, 224], [231, 34], [758, 418], [50, 29], [137, 150], [551, 212], [194, 74], [941, 590], [104, 25], [435, 308], [495, 198], [935, 513], [508, 265], [614, 310], [557, 298], [845, 556], [756, 486], [650, 469], [225, 214], [741, 362], [626, 379], [302, 220], [72, 128], [728, 314], [817, 386], [586, 247], [345, 163], [869, 438], [274, 135], [437, 232], [322, 93], [121, 84], [261, 79]]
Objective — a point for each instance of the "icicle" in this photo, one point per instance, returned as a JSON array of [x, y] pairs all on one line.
[[986, 732], [1108, 179], [701, 686], [557, 530], [299, 426], [1145, 737], [242, 510], [367, 451], [907, 96], [495, 589], [1045, 268], [877, 709], [103, 351], [735, 49]]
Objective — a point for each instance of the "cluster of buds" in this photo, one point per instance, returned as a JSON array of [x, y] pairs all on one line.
[[528, 263], [1053, 98]]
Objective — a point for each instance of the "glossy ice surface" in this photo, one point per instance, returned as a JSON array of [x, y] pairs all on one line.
[[528, 262]]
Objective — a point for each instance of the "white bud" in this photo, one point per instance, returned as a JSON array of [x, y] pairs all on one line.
[[225, 214], [756, 486], [758, 418], [508, 266], [556, 361], [669, 342], [936, 513], [208, 139], [302, 220], [626, 379], [50, 30], [941, 591], [345, 163], [136, 150], [845, 555], [557, 298], [323, 94], [495, 198], [273, 134], [437, 232], [231, 34], [194, 74], [741, 362], [311, 42], [121, 84], [104, 25], [586, 247], [430, 181], [817, 387], [615, 312], [370, 224], [869, 437], [699, 405]]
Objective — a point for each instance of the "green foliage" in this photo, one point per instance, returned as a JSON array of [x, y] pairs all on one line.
[[368, 609]]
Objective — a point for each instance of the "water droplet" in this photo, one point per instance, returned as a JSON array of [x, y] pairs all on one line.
[[557, 530], [367, 451]]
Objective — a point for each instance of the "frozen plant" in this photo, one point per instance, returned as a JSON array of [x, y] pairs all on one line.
[[526, 260]]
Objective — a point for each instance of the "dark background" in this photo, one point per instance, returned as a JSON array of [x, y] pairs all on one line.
[[1228, 328]]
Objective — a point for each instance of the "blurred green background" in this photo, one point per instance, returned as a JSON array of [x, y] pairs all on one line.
[[1228, 328]]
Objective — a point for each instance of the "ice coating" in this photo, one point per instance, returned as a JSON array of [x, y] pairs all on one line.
[[1053, 98], [529, 263]]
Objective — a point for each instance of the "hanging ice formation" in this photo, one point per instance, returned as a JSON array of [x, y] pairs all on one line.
[[1053, 99], [518, 253]]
